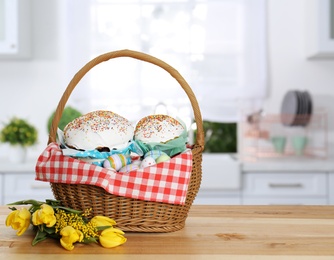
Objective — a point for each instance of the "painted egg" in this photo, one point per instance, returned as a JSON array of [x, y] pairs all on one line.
[[136, 162], [154, 153], [116, 161], [162, 158], [148, 161], [129, 168]]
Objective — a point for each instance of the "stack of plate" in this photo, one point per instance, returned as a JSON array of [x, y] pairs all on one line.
[[296, 108]]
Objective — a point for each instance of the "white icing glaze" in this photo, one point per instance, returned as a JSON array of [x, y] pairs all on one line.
[[98, 129], [158, 129]]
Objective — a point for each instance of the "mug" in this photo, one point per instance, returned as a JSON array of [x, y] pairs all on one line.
[[298, 144], [279, 143]]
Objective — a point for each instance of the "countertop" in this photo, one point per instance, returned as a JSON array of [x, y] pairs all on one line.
[[211, 232], [293, 164]]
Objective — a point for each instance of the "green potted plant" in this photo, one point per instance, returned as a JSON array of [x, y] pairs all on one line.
[[19, 134], [220, 137], [68, 115]]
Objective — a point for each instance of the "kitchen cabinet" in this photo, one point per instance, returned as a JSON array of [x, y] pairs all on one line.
[[221, 180], [18, 182], [1, 188], [275, 183], [218, 197], [319, 29], [331, 188], [19, 186], [295, 181], [285, 188], [15, 29]]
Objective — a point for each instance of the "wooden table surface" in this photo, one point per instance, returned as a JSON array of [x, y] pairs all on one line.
[[211, 232]]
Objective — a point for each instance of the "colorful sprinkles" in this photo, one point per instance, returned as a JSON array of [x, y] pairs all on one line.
[[99, 121], [152, 128], [150, 125]]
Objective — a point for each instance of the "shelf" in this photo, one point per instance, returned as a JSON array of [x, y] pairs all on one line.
[[269, 138]]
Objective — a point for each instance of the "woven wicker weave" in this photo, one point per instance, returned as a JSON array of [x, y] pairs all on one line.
[[132, 214]]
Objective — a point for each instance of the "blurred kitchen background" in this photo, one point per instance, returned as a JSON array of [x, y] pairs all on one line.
[[249, 62]]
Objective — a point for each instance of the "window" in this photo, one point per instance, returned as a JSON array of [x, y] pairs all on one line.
[[218, 46]]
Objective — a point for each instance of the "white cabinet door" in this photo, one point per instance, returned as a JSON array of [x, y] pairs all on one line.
[[285, 184], [1, 189], [285, 188], [22, 186], [220, 171], [331, 188], [217, 197], [221, 180], [319, 41]]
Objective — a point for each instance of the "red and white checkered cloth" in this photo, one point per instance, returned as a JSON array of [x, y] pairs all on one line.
[[164, 182]]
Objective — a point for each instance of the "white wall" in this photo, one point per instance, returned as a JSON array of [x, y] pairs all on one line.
[[32, 88], [289, 67], [288, 64]]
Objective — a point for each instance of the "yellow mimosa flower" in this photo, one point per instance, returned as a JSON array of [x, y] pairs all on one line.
[[69, 237], [112, 237], [101, 221], [44, 215], [19, 220]]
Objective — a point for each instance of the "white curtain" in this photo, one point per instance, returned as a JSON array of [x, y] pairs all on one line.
[[219, 47]]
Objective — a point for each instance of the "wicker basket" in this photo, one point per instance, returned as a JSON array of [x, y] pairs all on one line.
[[132, 214]]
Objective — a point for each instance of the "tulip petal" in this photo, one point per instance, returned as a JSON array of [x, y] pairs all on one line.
[[101, 221], [19, 220], [112, 237], [69, 237], [10, 218]]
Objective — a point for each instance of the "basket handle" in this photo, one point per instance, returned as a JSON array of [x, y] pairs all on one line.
[[139, 56]]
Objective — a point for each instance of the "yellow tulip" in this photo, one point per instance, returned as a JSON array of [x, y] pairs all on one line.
[[112, 237], [101, 221], [19, 220], [70, 236], [44, 215]]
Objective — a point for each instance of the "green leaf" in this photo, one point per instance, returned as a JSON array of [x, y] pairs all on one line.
[[40, 236], [49, 230], [88, 240], [102, 228], [27, 202], [68, 209], [52, 202]]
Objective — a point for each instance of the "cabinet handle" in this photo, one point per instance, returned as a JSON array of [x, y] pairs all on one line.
[[285, 185]]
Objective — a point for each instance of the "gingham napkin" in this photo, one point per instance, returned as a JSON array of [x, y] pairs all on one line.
[[164, 182]]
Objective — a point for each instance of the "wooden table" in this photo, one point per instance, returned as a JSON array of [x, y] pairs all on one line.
[[211, 232]]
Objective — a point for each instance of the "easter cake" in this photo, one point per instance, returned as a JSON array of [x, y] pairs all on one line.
[[157, 129], [101, 130]]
